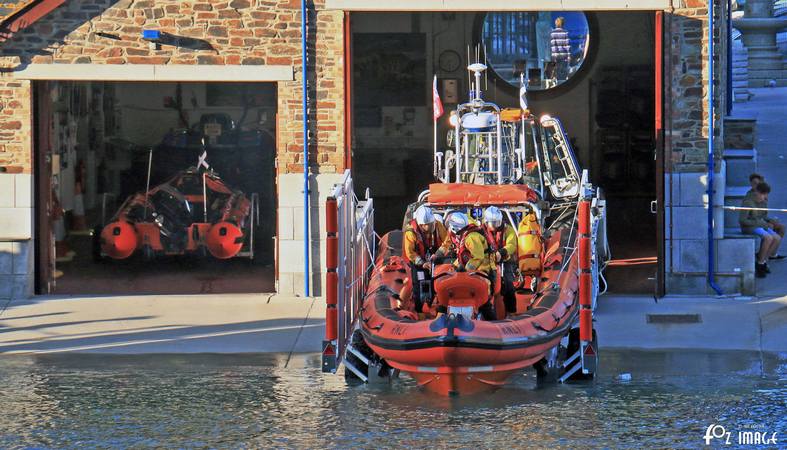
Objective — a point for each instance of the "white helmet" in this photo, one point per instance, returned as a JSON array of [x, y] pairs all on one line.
[[423, 215], [493, 216], [457, 221]]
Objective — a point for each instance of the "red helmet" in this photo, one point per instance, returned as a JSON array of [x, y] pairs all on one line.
[[224, 240], [119, 240]]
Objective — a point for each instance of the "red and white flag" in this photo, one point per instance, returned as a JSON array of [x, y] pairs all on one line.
[[437, 105]]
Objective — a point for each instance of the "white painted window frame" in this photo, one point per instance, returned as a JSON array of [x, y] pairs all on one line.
[[152, 72]]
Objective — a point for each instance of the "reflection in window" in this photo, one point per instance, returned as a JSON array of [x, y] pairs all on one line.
[[548, 47], [555, 154]]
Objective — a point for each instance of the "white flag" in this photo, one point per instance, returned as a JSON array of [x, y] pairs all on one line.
[[522, 92], [202, 163]]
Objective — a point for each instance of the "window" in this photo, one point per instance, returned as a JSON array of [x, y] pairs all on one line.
[[547, 48]]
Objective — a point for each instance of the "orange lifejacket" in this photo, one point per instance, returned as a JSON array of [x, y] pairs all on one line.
[[495, 240], [462, 253], [529, 244], [425, 242]]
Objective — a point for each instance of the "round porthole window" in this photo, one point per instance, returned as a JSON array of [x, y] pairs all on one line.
[[547, 48]]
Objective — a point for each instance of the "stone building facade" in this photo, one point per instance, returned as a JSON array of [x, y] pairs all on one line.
[[267, 33], [227, 33], [686, 243], [209, 33]]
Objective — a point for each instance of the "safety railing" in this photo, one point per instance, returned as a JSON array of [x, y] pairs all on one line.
[[748, 208], [350, 253]]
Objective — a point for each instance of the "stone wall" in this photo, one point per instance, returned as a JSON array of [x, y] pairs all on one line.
[[15, 126], [291, 233], [208, 32], [686, 180], [16, 248], [687, 70]]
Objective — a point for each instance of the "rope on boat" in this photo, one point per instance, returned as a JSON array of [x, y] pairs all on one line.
[[602, 265], [368, 250], [606, 285]]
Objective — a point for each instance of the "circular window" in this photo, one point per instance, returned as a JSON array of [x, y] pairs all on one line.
[[548, 48]]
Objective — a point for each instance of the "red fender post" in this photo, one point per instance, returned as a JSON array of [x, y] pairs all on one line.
[[585, 281], [331, 263]]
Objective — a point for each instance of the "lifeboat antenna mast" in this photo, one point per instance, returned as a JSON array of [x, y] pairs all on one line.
[[477, 69]]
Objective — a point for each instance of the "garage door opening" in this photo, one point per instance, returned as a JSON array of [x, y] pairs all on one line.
[[606, 102], [155, 188]]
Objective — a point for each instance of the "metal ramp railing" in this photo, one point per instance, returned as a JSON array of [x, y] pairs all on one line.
[[350, 255]]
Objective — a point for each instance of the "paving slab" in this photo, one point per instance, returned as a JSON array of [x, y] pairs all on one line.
[[723, 323], [254, 323]]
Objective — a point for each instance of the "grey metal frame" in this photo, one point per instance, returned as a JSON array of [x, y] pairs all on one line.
[[356, 256]]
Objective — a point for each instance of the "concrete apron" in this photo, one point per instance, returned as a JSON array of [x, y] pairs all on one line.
[[238, 323], [261, 323], [693, 323]]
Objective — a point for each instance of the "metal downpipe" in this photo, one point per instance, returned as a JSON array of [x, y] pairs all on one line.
[[711, 161], [306, 209]]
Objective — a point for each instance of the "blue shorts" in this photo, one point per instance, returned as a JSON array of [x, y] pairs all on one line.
[[762, 232]]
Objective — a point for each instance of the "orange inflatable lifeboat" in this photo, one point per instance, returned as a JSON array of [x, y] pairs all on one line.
[[459, 352], [452, 330], [189, 213]]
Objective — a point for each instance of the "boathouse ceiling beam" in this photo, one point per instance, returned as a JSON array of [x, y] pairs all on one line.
[[499, 5], [150, 72]]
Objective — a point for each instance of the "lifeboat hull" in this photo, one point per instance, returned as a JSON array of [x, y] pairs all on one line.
[[450, 380], [450, 369], [454, 355]]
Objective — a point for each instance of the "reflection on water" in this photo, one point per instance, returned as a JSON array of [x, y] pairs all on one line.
[[251, 401]]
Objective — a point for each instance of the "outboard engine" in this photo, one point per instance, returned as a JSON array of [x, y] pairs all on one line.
[[173, 216]]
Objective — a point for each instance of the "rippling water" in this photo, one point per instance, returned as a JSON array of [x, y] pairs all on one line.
[[253, 401]]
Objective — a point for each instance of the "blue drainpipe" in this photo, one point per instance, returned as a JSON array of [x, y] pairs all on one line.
[[711, 162], [306, 209], [728, 61]]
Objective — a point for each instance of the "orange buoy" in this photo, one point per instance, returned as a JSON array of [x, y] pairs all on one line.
[[224, 240], [119, 240]]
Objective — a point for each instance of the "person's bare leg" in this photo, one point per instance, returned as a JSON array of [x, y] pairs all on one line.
[[765, 249], [771, 246], [777, 241]]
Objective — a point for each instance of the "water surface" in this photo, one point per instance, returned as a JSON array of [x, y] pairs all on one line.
[[254, 401]]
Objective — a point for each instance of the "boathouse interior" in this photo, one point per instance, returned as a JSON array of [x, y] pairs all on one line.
[[99, 142], [606, 104]]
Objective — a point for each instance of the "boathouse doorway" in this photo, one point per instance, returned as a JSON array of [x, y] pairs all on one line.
[[608, 106], [102, 144]]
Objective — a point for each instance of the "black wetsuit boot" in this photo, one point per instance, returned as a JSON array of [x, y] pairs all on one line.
[[487, 311], [417, 300], [509, 295]]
